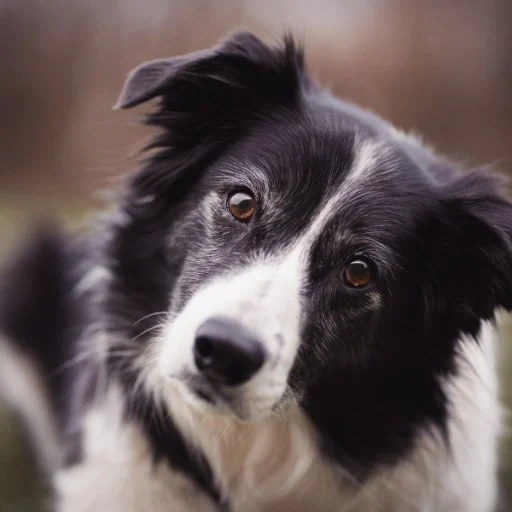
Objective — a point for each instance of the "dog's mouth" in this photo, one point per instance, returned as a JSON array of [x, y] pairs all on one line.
[[204, 395], [212, 398], [204, 391]]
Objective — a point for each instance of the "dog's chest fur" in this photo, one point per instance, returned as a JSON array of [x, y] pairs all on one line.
[[272, 464], [275, 464]]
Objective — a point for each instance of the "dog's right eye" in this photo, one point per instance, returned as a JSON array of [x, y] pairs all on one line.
[[242, 205]]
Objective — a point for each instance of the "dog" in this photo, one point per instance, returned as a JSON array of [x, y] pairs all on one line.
[[290, 307]]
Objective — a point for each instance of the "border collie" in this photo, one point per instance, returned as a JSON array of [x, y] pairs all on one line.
[[291, 308]]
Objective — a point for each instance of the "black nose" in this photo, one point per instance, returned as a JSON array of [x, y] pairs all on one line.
[[226, 353]]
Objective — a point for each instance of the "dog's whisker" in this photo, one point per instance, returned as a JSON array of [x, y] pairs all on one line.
[[86, 355], [157, 313], [148, 330]]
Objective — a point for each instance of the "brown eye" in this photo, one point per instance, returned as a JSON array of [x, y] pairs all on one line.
[[358, 274], [242, 206]]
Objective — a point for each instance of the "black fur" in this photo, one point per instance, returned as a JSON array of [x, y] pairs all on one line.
[[35, 309]]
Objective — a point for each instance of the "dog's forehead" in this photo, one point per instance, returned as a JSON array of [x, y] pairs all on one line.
[[324, 173], [319, 144], [307, 164]]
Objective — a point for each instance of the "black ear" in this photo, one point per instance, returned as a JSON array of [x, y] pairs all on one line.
[[226, 62], [470, 258], [208, 100], [148, 81]]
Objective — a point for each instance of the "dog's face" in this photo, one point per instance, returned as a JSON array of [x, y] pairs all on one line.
[[301, 247], [285, 253], [276, 258]]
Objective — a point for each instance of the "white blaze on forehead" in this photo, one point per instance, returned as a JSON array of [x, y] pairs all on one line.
[[366, 159]]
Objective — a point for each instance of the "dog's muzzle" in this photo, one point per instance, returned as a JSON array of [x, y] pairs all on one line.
[[234, 350]]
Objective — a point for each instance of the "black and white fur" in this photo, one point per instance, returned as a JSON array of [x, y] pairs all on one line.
[[375, 399]]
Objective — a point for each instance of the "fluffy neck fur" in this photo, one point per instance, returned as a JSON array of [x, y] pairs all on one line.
[[276, 464]]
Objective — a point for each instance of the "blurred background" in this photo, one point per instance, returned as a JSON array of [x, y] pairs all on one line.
[[442, 68]]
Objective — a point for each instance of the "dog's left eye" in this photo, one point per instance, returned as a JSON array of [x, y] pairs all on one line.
[[358, 273], [241, 205]]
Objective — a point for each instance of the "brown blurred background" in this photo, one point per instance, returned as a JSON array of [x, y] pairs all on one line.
[[442, 68]]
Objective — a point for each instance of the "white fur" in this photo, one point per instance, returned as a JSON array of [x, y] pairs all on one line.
[[24, 389], [273, 464], [92, 279], [475, 427], [118, 474]]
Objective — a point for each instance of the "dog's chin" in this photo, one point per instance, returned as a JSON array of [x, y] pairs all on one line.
[[206, 400]]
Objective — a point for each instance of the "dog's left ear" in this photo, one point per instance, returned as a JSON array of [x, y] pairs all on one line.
[[473, 249]]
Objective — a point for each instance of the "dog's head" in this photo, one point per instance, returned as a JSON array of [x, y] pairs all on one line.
[[303, 251]]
